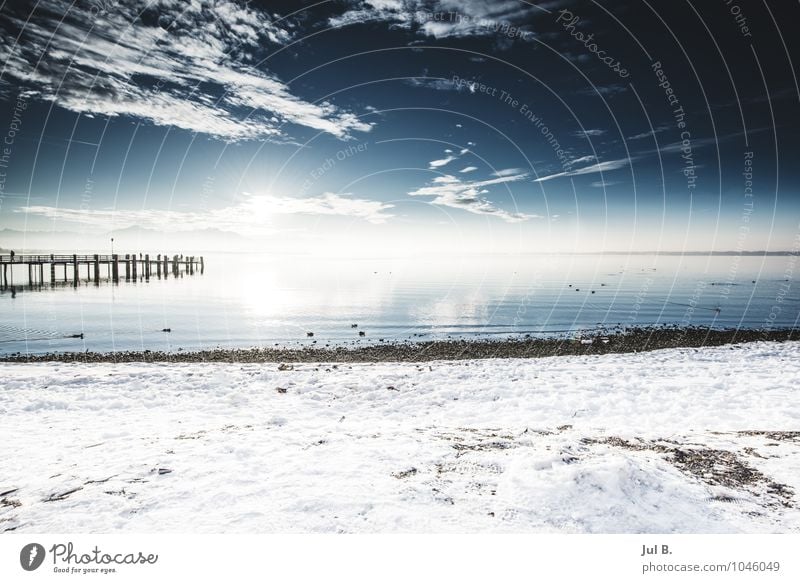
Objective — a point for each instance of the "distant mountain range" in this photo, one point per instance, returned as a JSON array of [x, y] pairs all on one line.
[[698, 253], [136, 239], [130, 239]]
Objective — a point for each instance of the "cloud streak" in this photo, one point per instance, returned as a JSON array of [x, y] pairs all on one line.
[[590, 133], [251, 215], [592, 169], [172, 64], [445, 18], [469, 196], [442, 162]]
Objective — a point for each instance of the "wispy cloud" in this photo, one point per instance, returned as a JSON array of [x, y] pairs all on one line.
[[591, 133], [576, 57], [582, 160], [649, 134], [509, 172], [696, 143], [328, 203], [604, 183], [469, 196], [251, 215], [172, 63], [592, 169], [436, 83], [442, 162], [464, 18], [604, 90], [433, 164], [468, 169]]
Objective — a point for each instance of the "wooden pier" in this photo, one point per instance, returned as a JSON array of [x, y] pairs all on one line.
[[66, 268]]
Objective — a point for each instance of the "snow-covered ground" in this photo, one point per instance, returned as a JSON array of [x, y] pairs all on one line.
[[619, 443]]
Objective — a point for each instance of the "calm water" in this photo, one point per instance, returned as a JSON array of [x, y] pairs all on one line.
[[246, 300]]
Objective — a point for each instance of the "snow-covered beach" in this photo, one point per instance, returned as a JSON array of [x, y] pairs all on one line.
[[679, 440]]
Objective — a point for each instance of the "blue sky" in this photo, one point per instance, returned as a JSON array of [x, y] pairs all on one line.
[[421, 125]]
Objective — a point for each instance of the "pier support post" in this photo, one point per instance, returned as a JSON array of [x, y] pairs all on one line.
[[96, 269], [147, 267], [166, 265], [134, 262], [202, 265], [158, 266], [127, 267], [52, 270], [75, 270], [115, 268], [10, 276]]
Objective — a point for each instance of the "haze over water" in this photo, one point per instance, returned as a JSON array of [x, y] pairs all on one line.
[[246, 300]]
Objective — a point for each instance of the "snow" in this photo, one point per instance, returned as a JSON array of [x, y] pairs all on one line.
[[512, 445]]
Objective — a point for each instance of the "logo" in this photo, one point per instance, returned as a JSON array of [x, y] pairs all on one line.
[[31, 556]]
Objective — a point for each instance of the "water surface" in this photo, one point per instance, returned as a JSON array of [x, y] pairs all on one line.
[[246, 300]]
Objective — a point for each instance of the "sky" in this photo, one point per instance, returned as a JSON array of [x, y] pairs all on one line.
[[400, 126]]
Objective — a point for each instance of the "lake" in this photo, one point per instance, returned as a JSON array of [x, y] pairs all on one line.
[[250, 299]]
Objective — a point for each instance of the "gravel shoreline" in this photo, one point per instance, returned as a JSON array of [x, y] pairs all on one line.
[[632, 340]]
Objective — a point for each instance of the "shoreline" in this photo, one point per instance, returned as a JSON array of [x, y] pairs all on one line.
[[633, 340]]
